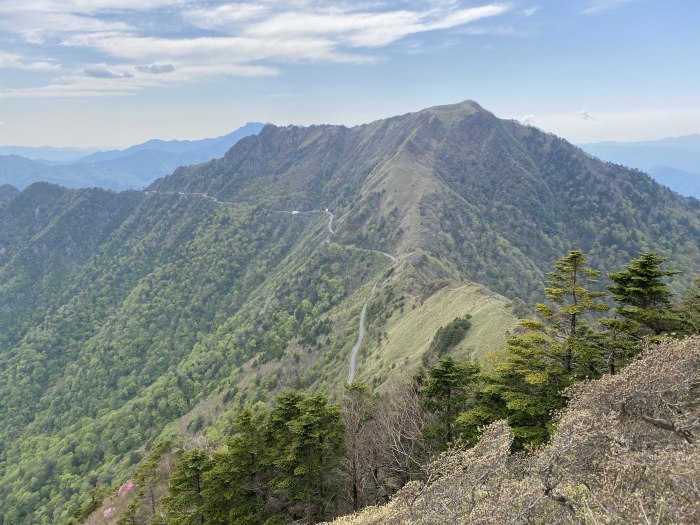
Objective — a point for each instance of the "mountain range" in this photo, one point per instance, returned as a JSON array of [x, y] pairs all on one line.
[[132, 168], [674, 162], [125, 317]]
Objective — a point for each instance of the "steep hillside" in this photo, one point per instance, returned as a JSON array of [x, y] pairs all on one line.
[[489, 199], [129, 316]]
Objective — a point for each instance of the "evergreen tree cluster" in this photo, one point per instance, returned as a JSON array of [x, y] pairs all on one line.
[[280, 466]]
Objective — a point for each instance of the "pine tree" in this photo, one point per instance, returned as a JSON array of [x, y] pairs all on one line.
[[565, 322], [555, 350], [305, 435], [185, 502], [530, 383], [643, 296], [238, 484], [445, 390], [313, 456]]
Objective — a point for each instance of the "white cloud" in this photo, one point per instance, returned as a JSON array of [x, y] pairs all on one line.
[[223, 16], [531, 10], [587, 116], [155, 69], [234, 38], [14, 61], [103, 72], [528, 120], [367, 29], [598, 6], [2, 123]]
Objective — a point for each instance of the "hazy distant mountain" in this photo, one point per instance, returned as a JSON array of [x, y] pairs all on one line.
[[196, 150], [46, 155], [132, 168], [674, 161]]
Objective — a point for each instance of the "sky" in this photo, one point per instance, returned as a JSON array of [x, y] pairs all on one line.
[[111, 73]]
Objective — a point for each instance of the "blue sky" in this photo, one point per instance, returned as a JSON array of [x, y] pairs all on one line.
[[110, 73]]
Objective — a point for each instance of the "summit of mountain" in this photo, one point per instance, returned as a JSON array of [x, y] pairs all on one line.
[[492, 199]]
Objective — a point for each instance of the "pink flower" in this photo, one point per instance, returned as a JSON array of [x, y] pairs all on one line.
[[126, 488], [108, 512]]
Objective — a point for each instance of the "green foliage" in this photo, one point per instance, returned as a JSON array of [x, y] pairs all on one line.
[[280, 464], [447, 337], [185, 501], [643, 295], [153, 319], [126, 311], [445, 390]]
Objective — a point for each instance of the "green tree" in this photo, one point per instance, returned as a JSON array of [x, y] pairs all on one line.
[[445, 389], [238, 483], [185, 501], [555, 350], [643, 295], [530, 383], [447, 337], [565, 321], [310, 456]]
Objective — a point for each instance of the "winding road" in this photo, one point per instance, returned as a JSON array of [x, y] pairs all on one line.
[[363, 313]]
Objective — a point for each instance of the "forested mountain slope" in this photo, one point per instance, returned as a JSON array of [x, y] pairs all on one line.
[[126, 315], [492, 199]]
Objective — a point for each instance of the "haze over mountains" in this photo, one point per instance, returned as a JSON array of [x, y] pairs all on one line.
[[674, 162], [147, 310], [131, 168]]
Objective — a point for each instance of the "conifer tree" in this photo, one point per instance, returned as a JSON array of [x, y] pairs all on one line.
[[555, 350], [643, 296], [444, 390], [185, 502], [313, 456], [565, 322], [238, 483]]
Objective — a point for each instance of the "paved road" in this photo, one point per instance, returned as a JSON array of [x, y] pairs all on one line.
[[363, 313], [360, 337]]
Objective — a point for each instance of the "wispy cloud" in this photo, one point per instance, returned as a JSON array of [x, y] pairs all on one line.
[[156, 69], [598, 6], [531, 10], [231, 38], [103, 72], [15, 61], [587, 116]]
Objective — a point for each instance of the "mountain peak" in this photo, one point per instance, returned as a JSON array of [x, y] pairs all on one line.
[[452, 112]]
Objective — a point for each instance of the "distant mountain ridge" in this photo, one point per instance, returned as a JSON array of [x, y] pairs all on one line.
[[131, 168], [673, 161]]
